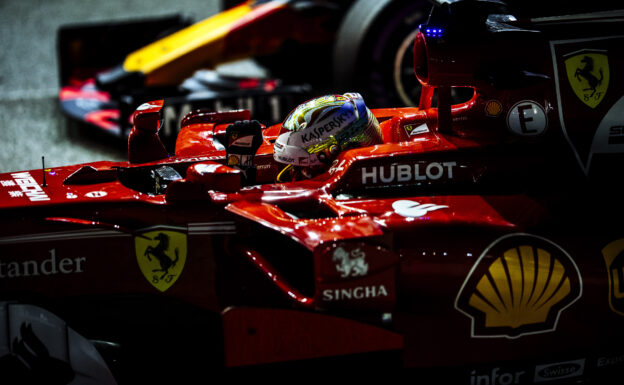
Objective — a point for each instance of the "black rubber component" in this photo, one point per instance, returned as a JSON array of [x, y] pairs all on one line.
[[118, 80], [373, 54]]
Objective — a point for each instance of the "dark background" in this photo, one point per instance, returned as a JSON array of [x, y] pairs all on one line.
[[31, 124]]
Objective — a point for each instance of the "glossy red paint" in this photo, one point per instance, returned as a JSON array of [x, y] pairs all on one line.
[[275, 276], [91, 224], [144, 144], [207, 116], [249, 333], [309, 233]]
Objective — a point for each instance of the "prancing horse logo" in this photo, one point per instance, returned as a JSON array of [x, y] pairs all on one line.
[[161, 255], [588, 74]]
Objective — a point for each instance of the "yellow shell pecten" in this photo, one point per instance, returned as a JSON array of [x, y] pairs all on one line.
[[521, 288]]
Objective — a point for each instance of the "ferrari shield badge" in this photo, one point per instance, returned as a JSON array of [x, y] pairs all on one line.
[[588, 74], [519, 286], [161, 255], [613, 255], [590, 97]]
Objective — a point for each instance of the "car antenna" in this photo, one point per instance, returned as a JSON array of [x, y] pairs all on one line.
[[43, 171]]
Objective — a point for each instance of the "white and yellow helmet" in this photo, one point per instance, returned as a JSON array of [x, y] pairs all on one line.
[[320, 128]]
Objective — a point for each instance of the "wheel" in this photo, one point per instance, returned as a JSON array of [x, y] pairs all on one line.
[[306, 59], [373, 53]]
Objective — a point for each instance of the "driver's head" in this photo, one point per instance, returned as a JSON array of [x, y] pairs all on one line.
[[318, 130]]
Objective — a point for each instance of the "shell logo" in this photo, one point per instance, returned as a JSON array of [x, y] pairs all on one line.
[[613, 255], [493, 108], [519, 286]]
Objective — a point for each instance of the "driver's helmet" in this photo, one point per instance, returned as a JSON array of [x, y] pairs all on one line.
[[318, 130]]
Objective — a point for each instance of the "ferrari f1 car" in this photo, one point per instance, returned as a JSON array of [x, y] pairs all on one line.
[[482, 236]]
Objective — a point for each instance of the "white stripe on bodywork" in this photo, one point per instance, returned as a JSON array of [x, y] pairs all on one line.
[[64, 235], [212, 228]]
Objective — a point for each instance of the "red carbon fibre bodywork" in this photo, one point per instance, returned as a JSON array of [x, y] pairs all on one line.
[[470, 237]]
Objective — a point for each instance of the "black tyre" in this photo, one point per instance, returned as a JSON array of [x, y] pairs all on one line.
[[373, 53], [297, 62]]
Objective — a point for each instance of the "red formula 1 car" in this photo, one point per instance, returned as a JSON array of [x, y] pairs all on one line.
[[482, 237]]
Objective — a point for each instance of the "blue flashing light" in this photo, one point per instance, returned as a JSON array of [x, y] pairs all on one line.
[[434, 32]]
